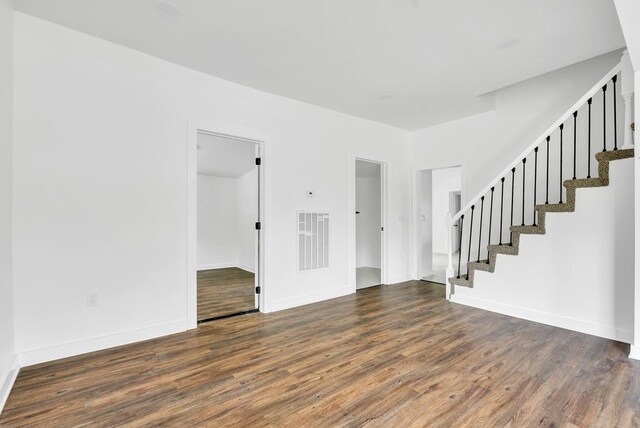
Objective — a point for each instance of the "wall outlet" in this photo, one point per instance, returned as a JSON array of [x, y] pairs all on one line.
[[92, 299]]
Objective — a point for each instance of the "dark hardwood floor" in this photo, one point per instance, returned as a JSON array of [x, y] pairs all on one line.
[[225, 291], [386, 356]]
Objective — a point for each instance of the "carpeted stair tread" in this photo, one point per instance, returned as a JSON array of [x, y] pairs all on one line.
[[528, 230], [569, 205], [555, 208], [611, 155], [482, 265], [462, 281], [503, 249], [585, 182]]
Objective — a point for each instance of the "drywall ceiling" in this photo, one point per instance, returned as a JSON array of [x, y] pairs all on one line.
[[408, 63], [225, 157]]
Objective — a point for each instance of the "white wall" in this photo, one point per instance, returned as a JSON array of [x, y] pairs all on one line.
[[628, 13], [217, 222], [443, 182], [580, 275], [486, 143], [369, 221], [6, 135], [247, 209], [100, 185]]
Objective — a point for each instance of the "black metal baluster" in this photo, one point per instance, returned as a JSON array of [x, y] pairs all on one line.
[[615, 115], [604, 118], [513, 183], [535, 184], [561, 133], [480, 233], [575, 119], [460, 246], [524, 174], [547, 200], [589, 142], [501, 208], [490, 222], [470, 234]]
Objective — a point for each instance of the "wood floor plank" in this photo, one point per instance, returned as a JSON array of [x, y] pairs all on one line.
[[396, 355], [224, 292]]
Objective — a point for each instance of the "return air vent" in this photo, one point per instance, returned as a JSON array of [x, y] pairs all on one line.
[[313, 240]]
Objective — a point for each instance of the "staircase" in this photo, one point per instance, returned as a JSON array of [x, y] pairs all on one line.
[[489, 265], [543, 179]]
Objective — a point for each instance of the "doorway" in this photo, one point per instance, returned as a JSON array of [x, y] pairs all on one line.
[[228, 216], [439, 193], [369, 223], [455, 204]]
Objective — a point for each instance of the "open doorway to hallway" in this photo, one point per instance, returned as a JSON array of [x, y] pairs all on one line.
[[369, 223], [439, 193], [227, 237]]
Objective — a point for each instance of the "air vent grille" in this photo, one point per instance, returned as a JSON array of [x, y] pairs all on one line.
[[313, 240]]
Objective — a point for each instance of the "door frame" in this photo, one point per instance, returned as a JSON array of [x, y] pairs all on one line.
[[415, 204], [194, 128], [352, 217]]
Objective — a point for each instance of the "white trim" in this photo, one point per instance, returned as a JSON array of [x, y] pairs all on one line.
[[590, 93], [384, 257], [246, 268], [605, 331], [217, 266], [7, 383], [634, 352], [396, 279], [194, 126], [43, 355], [308, 299]]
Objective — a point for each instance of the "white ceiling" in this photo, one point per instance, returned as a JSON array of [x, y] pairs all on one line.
[[436, 57], [225, 157]]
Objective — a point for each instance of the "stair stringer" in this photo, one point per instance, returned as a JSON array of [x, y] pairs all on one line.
[[573, 271]]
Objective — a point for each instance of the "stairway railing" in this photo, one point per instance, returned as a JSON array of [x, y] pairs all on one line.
[[591, 120]]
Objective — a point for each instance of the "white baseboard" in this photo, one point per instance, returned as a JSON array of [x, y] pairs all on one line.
[[225, 266], [307, 299], [37, 356], [247, 268], [6, 384], [399, 278], [634, 354], [431, 272], [607, 332], [216, 266]]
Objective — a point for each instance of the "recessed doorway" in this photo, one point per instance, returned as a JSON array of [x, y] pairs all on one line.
[[228, 194], [369, 223], [439, 193]]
